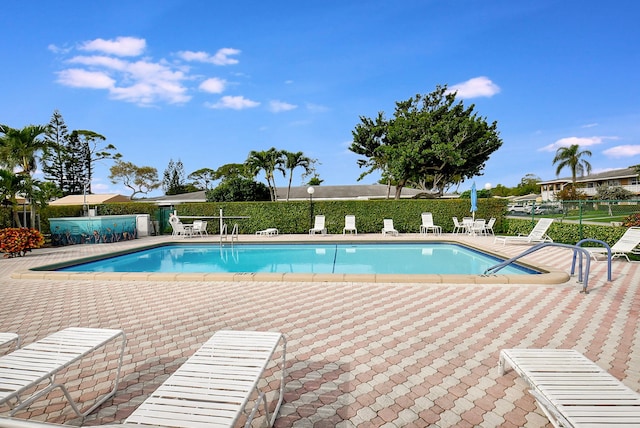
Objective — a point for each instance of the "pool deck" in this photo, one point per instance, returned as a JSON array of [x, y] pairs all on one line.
[[378, 354]]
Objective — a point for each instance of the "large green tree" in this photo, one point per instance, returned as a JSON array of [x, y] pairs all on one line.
[[238, 189], [268, 161], [140, 179], [202, 178], [173, 182], [573, 158], [430, 137], [293, 160], [94, 150], [55, 156]]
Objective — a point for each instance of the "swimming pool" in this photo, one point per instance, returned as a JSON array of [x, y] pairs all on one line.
[[406, 258]]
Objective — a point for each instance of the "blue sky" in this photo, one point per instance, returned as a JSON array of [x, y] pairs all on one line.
[[206, 82]]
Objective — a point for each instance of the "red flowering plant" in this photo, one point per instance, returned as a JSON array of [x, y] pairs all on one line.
[[632, 220], [18, 241]]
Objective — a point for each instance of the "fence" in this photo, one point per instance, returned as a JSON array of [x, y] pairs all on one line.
[[585, 212]]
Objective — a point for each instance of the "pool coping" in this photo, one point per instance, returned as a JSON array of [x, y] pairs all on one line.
[[548, 276]]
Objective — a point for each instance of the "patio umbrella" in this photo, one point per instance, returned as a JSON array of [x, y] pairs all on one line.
[[474, 201]]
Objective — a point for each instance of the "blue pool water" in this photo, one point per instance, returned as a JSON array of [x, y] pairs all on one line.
[[424, 258]]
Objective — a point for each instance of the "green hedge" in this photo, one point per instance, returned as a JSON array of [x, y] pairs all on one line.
[[295, 216]]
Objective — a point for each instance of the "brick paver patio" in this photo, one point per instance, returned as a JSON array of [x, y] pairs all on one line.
[[359, 354]]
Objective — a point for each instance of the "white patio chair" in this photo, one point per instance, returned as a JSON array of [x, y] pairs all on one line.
[[428, 225], [199, 228], [318, 226], [350, 224], [457, 226], [178, 228], [488, 228], [388, 227]]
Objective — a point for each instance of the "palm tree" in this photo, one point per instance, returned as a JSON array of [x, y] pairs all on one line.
[[18, 149], [269, 161], [294, 160], [10, 185], [573, 158]]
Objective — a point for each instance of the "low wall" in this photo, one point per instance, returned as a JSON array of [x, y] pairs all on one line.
[[92, 230]]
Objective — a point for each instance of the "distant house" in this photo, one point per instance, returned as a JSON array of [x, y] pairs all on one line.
[[626, 178], [92, 199], [300, 193]]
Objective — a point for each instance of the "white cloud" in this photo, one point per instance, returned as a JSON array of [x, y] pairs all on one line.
[[219, 58], [590, 125], [622, 151], [213, 85], [144, 80], [233, 102], [581, 141], [100, 61], [141, 82], [316, 108], [57, 49], [476, 87], [79, 78], [278, 106], [121, 46]]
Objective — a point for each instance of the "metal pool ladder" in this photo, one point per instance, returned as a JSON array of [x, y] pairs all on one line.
[[583, 274]]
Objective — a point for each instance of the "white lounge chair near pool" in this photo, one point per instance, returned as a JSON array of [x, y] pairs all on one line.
[[572, 390], [271, 231], [388, 227], [24, 369], [538, 234], [627, 244], [213, 387], [7, 339]]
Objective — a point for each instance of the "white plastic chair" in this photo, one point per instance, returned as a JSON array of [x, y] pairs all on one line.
[[350, 224], [200, 228], [457, 226], [388, 227], [318, 226], [427, 224]]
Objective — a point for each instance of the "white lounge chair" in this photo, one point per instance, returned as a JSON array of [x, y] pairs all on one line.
[[538, 234], [350, 224], [572, 390], [428, 225], [24, 369], [318, 226], [7, 339], [627, 244], [199, 228], [271, 231], [388, 227], [213, 387]]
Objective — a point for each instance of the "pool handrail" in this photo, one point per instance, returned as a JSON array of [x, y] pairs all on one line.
[[584, 278], [597, 241]]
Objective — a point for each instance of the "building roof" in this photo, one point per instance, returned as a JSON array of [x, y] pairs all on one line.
[[612, 174], [299, 193], [92, 199]]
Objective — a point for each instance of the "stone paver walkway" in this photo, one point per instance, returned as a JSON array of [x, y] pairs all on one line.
[[359, 354]]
